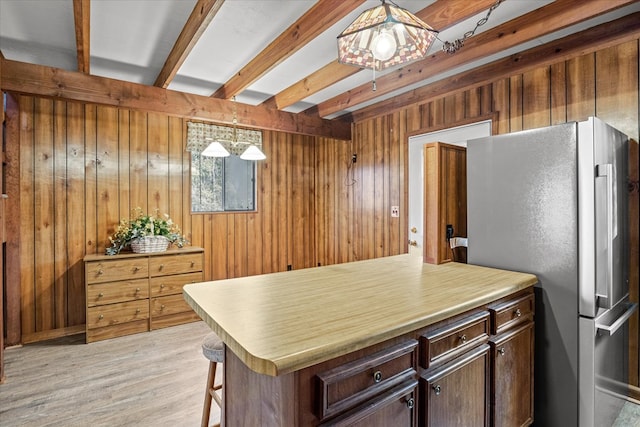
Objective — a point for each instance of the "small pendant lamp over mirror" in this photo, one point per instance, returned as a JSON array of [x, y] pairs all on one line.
[[383, 37]]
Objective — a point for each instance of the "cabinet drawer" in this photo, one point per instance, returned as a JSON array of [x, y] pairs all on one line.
[[113, 314], [169, 304], [170, 285], [346, 386], [511, 313], [175, 264], [109, 293], [116, 270], [443, 344]]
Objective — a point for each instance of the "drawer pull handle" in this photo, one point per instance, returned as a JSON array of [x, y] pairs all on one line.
[[192, 264], [501, 351], [100, 272], [137, 310], [410, 403], [161, 285], [100, 295], [137, 290], [377, 376], [136, 269], [437, 389], [161, 267], [463, 338], [162, 307], [517, 313], [100, 317]]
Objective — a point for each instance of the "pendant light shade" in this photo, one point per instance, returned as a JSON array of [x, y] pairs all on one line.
[[215, 149], [384, 36], [253, 153]]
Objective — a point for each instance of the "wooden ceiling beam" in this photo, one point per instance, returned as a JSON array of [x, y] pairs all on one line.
[[314, 22], [201, 15], [82, 20], [547, 19], [439, 15], [600, 37], [30, 79]]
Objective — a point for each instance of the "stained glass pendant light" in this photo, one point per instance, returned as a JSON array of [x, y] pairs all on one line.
[[383, 37]]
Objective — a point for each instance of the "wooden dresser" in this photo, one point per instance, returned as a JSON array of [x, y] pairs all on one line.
[[131, 293]]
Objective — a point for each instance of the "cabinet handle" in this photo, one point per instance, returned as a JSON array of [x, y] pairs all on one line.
[[100, 272], [377, 376], [463, 338], [517, 313], [137, 290], [161, 267], [192, 264], [100, 295], [437, 389], [135, 269], [100, 317], [501, 351], [137, 310], [162, 307], [410, 403], [161, 285]]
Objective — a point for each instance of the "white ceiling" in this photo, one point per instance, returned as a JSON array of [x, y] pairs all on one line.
[[131, 39]]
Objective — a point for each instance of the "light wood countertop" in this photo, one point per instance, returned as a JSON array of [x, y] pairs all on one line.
[[282, 322]]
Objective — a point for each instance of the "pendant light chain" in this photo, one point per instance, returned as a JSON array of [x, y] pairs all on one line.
[[456, 45]]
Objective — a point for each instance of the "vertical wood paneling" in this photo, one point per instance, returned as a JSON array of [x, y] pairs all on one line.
[[515, 103], [27, 216], [501, 106], [108, 208], [617, 87], [581, 100], [175, 171], [43, 213], [158, 162], [379, 188], [124, 196], [138, 156], [558, 93], [219, 247], [536, 98], [61, 264], [76, 230], [240, 245], [91, 180], [207, 236], [264, 201], [395, 196]]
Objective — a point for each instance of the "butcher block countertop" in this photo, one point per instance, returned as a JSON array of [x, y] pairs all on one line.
[[282, 322]]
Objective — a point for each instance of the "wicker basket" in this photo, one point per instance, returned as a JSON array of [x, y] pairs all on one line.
[[147, 244]]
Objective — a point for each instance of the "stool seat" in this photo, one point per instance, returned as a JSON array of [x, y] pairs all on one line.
[[213, 348]]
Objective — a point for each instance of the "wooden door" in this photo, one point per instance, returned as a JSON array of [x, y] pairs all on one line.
[[445, 199]]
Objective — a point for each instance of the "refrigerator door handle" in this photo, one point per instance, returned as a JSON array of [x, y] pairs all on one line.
[[607, 328], [606, 170]]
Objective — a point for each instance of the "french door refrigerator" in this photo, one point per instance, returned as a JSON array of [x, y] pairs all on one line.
[[553, 202]]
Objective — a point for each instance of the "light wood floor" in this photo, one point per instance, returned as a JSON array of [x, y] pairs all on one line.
[[149, 379]]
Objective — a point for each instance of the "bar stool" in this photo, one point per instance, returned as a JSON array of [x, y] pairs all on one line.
[[213, 349]]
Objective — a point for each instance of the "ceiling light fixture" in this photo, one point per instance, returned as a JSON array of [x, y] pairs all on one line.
[[383, 37]]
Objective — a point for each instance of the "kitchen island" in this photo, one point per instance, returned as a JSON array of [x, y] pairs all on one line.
[[365, 342]]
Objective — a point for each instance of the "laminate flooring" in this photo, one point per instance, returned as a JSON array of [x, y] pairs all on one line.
[[149, 379]]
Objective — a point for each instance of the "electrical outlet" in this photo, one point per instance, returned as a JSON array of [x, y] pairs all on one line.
[[354, 158], [395, 211], [449, 231]]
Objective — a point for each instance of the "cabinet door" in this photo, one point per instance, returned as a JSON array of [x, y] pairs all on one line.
[[456, 394], [512, 379]]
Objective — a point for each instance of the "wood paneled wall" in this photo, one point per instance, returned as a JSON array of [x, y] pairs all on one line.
[[75, 169]]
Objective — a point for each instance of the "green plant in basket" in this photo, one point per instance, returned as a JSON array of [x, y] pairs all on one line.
[[142, 225]]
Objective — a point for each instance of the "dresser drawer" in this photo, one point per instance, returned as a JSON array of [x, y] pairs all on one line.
[[444, 344], [510, 313], [116, 270], [114, 314], [109, 293], [170, 304], [346, 386], [169, 285], [175, 264]]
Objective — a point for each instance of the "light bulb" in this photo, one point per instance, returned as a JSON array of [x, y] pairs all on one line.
[[383, 46]]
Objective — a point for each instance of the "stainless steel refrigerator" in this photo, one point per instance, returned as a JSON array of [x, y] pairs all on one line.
[[553, 202]]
